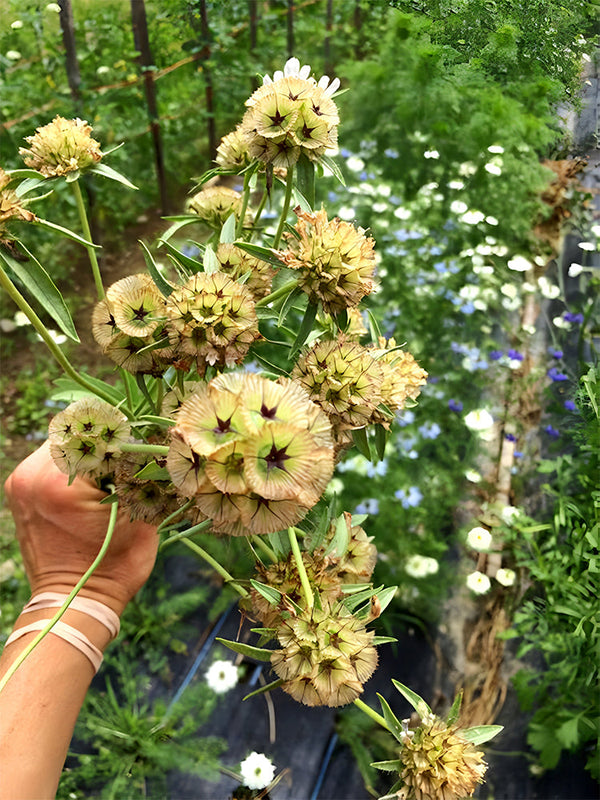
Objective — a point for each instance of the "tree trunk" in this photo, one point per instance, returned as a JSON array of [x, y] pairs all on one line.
[[290, 28], [329, 69], [142, 45], [72, 65], [253, 28]]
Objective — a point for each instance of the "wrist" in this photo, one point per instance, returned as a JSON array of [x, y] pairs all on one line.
[[102, 590]]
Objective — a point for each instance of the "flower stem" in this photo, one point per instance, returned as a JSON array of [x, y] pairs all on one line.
[[370, 713], [201, 526], [308, 595], [57, 353], [277, 294], [245, 198], [258, 541], [88, 235], [76, 589], [142, 447], [259, 211], [216, 566], [286, 206]]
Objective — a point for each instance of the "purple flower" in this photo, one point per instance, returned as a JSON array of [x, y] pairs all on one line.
[[455, 405], [409, 498], [552, 432], [510, 437], [517, 454], [556, 375], [571, 316], [430, 431], [514, 355], [555, 353], [496, 355], [570, 405]]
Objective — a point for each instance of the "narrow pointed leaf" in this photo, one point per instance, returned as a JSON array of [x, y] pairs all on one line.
[[189, 263], [393, 723], [179, 221], [377, 640], [163, 285], [267, 688], [270, 594], [300, 200], [211, 262], [28, 184], [264, 253], [333, 167], [417, 702], [388, 766], [52, 226], [153, 472], [42, 288], [338, 546], [112, 174], [373, 327], [68, 390], [305, 328], [305, 174], [228, 231], [481, 733], [259, 653], [386, 596], [360, 439], [381, 437], [288, 304], [455, 710]]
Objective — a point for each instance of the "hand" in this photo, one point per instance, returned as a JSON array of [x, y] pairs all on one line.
[[60, 529]]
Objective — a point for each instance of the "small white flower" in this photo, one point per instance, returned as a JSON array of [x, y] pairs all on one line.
[[509, 514], [478, 582], [529, 329], [53, 7], [18, 23], [431, 154], [21, 319], [479, 420], [472, 217], [467, 168], [103, 70], [13, 55], [257, 771], [222, 676], [548, 289], [589, 246], [506, 576], [491, 221], [458, 207], [559, 322], [346, 213], [473, 476], [575, 270], [493, 168], [457, 185], [418, 566], [479, 538], [355, 163], [495, 148], [403, 213], [509, 290], [519, 264]]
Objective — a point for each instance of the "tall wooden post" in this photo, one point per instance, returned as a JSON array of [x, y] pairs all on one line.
[[142, 45], [290, 28], [253, 30], [72, 65]]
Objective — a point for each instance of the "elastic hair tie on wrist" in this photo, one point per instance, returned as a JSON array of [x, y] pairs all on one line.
[[65, 632], [93, 608]]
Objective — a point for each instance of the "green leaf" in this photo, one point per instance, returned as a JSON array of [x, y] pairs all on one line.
[[393, 723], [259, 653], [163, 285], [373, 327], [388, 766], [386, 596], [381, 438], [338, 546], [568, 733], [270, 594], [189, 263], [455, 710], [69, 390], [306, 327], [153, 472], [52, 226], [481, 733], [377, 640], [360, 439], [228, 231], [288, 304], [211, 262], [108, 172], [305, 175], [267, 688], [333, 167], [417, 702], [300, 200], [179, 221], [264, 253], [40, 286]]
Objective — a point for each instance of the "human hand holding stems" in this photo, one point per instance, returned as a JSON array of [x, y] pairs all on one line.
[[60, 529]]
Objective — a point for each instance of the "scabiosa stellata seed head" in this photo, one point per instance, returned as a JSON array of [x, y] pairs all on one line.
[[335, 260], [215, 204], [62, 146], [291, 115], [232, 152], [236, 263], [10, 206], [149, 500], [260, 453], [326, 655], [402, 377], [211, 319], [437, 762], [85, 437], [344, 379]]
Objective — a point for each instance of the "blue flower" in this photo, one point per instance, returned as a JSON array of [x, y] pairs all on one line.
[[368, 506], [496, 355], [467, 308], [552, 432], [390, 153], [517, 454], [510, 437], [431, 431], [570, 405], [405, 418], [455, 405], [555, 353], [556, 375], [571, 316], [409, 498], [514, 355], [379, 469]]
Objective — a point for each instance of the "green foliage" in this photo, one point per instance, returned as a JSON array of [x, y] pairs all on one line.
[[559, 618], [136, 741]]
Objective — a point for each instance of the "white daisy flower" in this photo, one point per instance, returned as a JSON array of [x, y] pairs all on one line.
[[478, 582], [257, 771], [222, 676], [479, 538]]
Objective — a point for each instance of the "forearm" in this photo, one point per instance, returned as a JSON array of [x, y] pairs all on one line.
[[40, 703]]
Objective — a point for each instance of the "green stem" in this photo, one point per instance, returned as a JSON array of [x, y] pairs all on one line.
[[258, 541], [259, 211], [55, 350], [88, 235], [370, 713], [168, 520], [245, 197], [139, 447], [308, 595], [201, 526], [283, 291], [76, 589], [286, 206], [216, 566]]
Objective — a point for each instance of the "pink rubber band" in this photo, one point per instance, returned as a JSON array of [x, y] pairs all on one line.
[[93, 608], [65, 632]]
